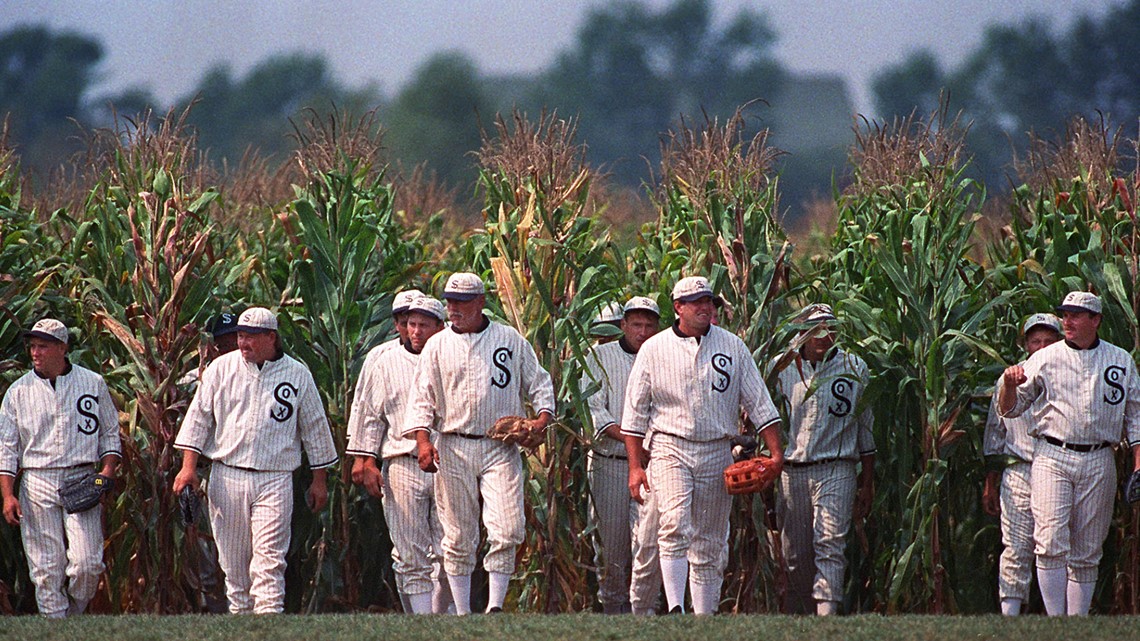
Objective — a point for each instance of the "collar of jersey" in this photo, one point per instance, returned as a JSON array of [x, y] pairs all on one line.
[[66, 371], [677, 331], [625, 346], [482, 328], [1095, 344]]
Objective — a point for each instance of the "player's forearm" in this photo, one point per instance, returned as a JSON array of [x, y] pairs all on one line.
[[109, 465], [634, 450], [7, 486], [1007, 398], [321, 477], [614, 431], [544, 418], [189, 460], [771, 435], [867, 473]]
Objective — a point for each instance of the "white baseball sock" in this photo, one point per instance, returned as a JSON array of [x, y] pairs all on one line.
[[1079, 598], [498, 582], [1052, 584], [440, 596], [706, 598], [1011, 606], [460, 592], [674, 575], [421, 603], [826, 608]]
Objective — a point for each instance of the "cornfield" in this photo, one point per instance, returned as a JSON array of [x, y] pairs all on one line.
[[151, 240]]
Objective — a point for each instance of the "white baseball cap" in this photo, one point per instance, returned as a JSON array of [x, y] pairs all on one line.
[[1080, 302], [49, 328], [817, 313], [463, 286], [641, 304], [428, 306], [1042, 320], [611, 313], [256, 320], [404, 299], [693, 288]]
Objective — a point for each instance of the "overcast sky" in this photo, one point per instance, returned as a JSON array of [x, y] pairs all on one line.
[[167, 45]]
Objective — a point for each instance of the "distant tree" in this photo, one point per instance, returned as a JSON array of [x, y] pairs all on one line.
[[435, 118]]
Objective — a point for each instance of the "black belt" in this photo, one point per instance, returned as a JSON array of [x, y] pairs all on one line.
[[473, 437], [1076, 447], [819, 462], [616, 457]]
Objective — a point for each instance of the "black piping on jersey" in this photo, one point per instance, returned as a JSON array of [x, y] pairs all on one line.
[[1095, 344], [677, 331], [625, 346], [324, 465]]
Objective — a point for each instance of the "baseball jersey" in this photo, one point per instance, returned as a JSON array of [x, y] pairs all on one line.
[[364, 383], [1084, 396], [469, 381], [822, 402], [1007, 436], [71, 423], [258, 419], [694, 388], [609, 365], [379, 409]]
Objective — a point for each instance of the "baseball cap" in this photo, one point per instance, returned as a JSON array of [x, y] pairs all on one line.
[[693, 288], [49, 328], [404, 299], [463, 286], [428, 306], [1080, 302], [256, 320], [222, 324], [1043, 320], [817, 313], [641, 304], [611, 313]]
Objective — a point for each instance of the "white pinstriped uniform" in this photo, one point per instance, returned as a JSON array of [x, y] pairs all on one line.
[[612, 510], [645, 573], [1078, 396], [54, 435], [1009, 438], [464, 383], [686, 395], [379, 410], [364, 383], [827, 435], [253, 423]]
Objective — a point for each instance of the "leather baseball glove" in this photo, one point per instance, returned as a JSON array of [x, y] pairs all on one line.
[[1132, 488], [516, 430], [750, 475], [84, 493]]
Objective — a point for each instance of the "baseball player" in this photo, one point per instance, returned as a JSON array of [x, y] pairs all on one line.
[[400, 304], [685, 392], [57, 423], [829, 435], [407, 492], [1008, 449], [254, 412], [468, 377], [613, 512], [1085, 397]]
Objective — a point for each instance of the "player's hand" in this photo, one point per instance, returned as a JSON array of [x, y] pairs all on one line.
[[778, 461], [318, 495], [371, 480], [186, 477], [428, 457], [991, 496], [12, 510], [1014, 375], [638, 480]]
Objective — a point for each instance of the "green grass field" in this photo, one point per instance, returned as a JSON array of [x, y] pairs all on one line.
[[532, 627]]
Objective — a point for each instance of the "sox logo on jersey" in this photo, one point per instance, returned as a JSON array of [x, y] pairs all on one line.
[[87, 406], [284, 410]]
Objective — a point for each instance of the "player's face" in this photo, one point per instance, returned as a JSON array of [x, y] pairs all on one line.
[[421, 327], [638, 326], [48, 357], [257, 348], [818, 344], [1039, 337], [695, 316], [1080, 327], [226, 343], [467, 315], [402, 326]]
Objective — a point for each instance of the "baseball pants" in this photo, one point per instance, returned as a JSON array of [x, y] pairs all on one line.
[[250, 514], [1015, 569], [470, 469], [60, 545], [693, 506], [645, 579], [413, 523], [815, 509], [1072, 495], [614, 515]]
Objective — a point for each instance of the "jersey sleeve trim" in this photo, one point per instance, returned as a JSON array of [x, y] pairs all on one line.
[[183, 446], [325, 465], [360, 453]]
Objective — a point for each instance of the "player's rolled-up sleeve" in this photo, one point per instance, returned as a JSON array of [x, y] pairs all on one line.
[[363, 383], [1132, 408], [638, 398], [313, 426], [539, 387], [371, 426], [199, 422], [598, 401], [110, 442], [426, 383], [754, 395], [9, 439]]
